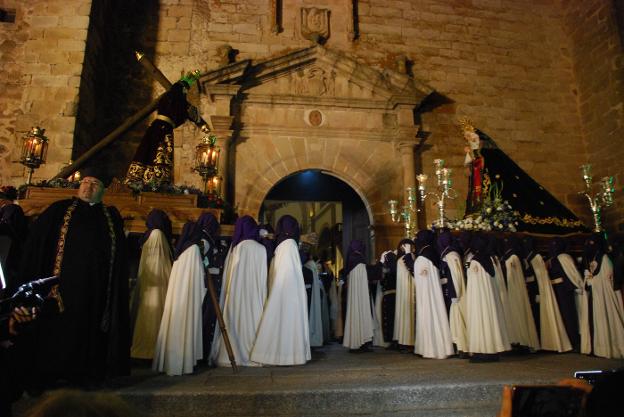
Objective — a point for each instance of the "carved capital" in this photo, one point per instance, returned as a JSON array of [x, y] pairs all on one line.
[[223, 137], [221, 123], [406, 147]]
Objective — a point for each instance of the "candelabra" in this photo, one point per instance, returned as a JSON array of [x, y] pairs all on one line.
[[444, 189], [599, 199], [207, 162], [409, 213], [34, 150]]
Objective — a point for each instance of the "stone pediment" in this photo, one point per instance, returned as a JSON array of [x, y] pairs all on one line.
[[320, 76]]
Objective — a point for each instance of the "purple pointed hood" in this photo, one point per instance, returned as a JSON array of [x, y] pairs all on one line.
[[287, 228], [245, 228], [157, 219], [355, 255]]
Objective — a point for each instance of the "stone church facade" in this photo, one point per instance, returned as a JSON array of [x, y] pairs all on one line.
[[369, 91]]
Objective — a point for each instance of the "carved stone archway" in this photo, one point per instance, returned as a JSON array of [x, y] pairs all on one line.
[[314, 109]]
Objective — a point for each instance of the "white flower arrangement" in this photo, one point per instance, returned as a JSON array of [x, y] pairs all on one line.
[[495, 214]]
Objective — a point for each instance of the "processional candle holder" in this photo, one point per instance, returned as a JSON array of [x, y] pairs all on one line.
[[444, 190], [599, 199], [207, 162], [408, 214], [34, 150]]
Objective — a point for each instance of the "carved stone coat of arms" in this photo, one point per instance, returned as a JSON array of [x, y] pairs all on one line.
[[315, 23]]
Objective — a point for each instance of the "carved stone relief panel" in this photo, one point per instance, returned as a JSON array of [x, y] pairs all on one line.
[[315, 81]]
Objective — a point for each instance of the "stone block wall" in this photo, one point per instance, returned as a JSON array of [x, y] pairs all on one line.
[[501, 63], [41, 56], [519, 69], [597, 56], [114, 85]]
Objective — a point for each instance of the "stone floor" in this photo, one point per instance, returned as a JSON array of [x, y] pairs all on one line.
[[337, 382]]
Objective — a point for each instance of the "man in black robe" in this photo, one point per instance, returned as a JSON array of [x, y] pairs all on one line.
[[82, 335]]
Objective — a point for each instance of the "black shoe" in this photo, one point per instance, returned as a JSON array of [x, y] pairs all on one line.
[[393, 346], [406, 349], [484, 357], [463, 355]]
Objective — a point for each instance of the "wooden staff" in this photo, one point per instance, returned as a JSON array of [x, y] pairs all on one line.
[[217, 309]]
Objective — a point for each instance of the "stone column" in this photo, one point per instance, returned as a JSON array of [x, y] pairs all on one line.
[[220, 103], [409, 171]]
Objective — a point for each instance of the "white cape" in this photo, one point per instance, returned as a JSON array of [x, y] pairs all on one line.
[[433, 333], [180, 345], [244, 292], [151, 291], [484, 321], [503, 301], [523, 325], [580, 298], [359, 320], [316, 314], [457, 312], [404, 311], [283, 336], [608, 313], [553, 334]]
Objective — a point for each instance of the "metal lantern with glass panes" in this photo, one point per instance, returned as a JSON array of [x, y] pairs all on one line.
[[34, 150], [599, 199], [207, 159]]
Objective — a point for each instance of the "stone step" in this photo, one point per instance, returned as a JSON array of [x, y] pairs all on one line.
[[421, 400], [337, 383]]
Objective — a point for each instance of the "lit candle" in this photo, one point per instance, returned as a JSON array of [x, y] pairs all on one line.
[[586, 170], [204, 158], [393, 206], [37, 149]]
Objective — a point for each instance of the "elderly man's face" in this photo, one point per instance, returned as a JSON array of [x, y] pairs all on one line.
[[91, 190]]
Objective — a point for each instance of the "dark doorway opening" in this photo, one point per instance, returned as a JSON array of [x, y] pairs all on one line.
[[325, 205]]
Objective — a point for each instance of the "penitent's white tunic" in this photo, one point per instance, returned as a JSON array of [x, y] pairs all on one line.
[[180, 345], [523, 325], [553, 335], [608, 313], [503, 300], [433, 333], [581, 300], [283, 337], [243, 293], [359, 320], [484, 321], [404, 331], [457, 313], [151, 291], [316, 314]]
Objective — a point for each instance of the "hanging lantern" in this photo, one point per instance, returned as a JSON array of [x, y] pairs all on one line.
[[207, 159], [34, 150]]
